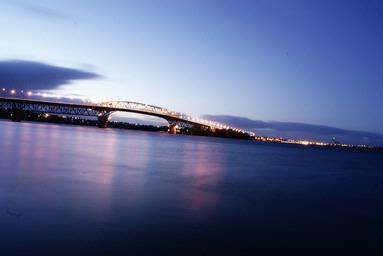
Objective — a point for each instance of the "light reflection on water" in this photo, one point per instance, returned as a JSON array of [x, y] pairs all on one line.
[[81, 187], [108, 162], [202, 167]]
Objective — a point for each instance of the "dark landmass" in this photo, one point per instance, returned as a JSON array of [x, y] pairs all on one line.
[[298, 131]]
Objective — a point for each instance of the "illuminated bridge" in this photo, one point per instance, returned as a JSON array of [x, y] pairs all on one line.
[[177, 121]]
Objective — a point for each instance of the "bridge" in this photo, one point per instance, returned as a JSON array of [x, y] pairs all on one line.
[[177, 121]]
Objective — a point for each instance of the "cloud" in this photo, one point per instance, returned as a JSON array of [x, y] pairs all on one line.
[[42, 11], [30, 75], [300, 130]]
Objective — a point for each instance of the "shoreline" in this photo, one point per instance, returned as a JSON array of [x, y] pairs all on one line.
[[78, 121]]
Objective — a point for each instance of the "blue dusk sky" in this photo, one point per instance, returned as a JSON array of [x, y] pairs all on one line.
[[299, 61]]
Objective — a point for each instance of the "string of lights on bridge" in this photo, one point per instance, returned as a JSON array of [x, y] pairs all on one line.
[[32, 94], [42, 94]]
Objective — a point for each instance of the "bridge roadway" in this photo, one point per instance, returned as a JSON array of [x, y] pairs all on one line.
[[103, 110]]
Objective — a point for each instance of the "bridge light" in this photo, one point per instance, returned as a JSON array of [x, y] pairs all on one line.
[[13, 91], [3, 89], [29, 93]]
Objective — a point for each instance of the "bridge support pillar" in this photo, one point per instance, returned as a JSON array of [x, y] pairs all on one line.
[[173, 128], [102, 119], [16, 115]]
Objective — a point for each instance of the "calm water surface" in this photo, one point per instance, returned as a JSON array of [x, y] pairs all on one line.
[[70, 190]]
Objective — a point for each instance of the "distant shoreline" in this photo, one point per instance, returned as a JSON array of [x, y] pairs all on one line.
[[318, 144], [74, 120]]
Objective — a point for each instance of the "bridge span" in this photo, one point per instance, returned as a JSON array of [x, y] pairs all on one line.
[[103, 111]]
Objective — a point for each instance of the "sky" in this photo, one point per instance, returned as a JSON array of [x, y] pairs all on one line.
[[291, 61]]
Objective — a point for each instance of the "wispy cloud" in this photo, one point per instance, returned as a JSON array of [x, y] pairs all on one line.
[[300, 130], [22, 74], [42, 11]]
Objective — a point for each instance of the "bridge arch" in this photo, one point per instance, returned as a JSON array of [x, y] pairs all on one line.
[[174, 119]]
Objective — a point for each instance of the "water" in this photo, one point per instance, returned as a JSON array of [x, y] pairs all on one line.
[[71, 190]]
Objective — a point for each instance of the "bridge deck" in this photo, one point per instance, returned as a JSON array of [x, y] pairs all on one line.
[[87, 109]]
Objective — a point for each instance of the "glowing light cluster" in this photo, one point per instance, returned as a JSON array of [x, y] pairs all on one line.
[[43, 94], [14, 92]]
